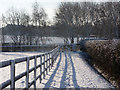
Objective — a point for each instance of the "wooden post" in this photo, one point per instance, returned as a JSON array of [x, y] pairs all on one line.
[[27, 74], [40, 68], [37, 47], [49, 61], [44, 66], [12, 75], [55, 56], [20, 48], [46, 63], [52, 60], [35, 63]]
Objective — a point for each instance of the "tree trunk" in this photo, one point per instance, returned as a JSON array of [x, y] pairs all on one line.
[[72, 40], [77, 39]]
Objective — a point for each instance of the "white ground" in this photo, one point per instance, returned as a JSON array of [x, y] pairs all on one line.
[[5, 72], [70, 71], [4, 56]]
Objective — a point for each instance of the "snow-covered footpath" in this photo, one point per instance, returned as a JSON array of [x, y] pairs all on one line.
[[70, 71]]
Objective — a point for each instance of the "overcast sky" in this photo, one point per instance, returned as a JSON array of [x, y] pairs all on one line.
[[48, 5]]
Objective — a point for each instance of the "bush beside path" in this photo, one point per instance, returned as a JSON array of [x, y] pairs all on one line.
[[105, 56]]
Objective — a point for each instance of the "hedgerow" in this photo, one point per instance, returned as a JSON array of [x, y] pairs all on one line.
[[106, 57]]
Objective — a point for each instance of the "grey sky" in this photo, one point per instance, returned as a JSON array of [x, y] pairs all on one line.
[[27, 4], [48, 5]]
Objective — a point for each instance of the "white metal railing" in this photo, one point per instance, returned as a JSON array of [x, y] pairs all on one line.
[[46, 62]]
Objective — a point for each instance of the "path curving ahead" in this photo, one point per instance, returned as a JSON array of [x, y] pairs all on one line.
[[71, 71]]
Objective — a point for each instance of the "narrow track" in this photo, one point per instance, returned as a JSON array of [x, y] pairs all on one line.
[[71, 71]]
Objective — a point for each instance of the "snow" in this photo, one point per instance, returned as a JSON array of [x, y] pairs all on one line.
[[20, 68], [4, 56], [69, 71], [52, 40]]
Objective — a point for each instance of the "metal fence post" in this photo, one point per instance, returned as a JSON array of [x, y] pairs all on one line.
[[35, 63], [12, 75], [40, 68], [27, 74]]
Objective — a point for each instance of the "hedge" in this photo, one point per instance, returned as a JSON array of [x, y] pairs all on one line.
[[106, 57]]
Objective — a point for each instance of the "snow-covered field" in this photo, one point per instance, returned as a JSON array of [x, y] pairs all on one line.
[[70, 71], [52, 40], [14, 55], [21, 67]]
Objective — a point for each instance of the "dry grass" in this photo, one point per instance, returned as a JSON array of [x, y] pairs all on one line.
[[106, 57]]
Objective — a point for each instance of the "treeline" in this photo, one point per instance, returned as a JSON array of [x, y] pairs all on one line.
[[24, 28], [30, 35], [84, 19], [72, 20]]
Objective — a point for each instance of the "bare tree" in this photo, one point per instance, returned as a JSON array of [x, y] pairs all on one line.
[[39, 18], [89, 18], [65, 16], [38, 15], [14, 19]]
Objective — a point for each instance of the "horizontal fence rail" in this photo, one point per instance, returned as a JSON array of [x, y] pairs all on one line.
[[28, 47], [46, 62]]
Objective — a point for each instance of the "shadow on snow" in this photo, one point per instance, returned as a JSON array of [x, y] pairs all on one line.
[[74, 74], [62, 83], [53, 74]]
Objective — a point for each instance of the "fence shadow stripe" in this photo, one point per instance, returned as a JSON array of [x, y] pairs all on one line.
[[62, 82], [47, 85]]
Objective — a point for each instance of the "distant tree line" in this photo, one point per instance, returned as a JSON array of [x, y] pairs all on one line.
[[85, 19], [72, 20], [24, 28]]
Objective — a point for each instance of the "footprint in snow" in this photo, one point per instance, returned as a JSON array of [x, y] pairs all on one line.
[[22, 81]]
